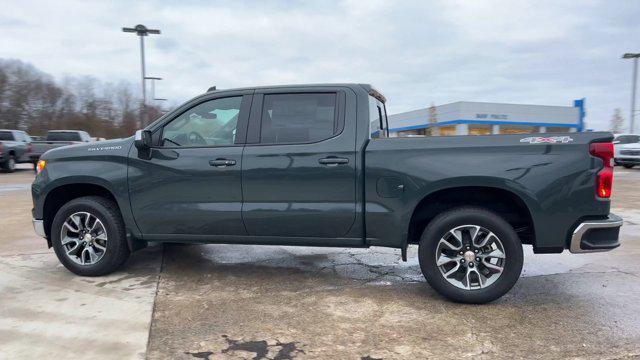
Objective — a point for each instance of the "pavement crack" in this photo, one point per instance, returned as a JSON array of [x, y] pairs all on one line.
[[585, 272], [155, 299]]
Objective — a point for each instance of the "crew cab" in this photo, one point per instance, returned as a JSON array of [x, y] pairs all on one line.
[[313, 165], [15, 148]]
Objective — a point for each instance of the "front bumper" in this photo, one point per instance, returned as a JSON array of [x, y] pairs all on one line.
[[38, 227], [596, 235], [627, 160]]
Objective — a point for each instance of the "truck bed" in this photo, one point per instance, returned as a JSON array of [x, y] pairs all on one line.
[[552, 173]]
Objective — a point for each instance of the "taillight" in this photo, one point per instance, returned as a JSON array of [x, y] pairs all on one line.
[[29, 147], [603, 151], [1, 148]]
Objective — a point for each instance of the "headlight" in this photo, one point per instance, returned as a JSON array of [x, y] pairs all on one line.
[[40, 166]]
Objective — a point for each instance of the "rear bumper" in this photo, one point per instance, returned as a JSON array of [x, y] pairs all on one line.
[[596, 235], [38, 227]]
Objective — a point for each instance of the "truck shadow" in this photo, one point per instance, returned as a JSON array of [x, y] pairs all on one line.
[[333, 266]]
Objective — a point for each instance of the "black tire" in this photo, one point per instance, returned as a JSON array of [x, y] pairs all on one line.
[[441, 225], [9, 165], [117, 251], [628, 166]]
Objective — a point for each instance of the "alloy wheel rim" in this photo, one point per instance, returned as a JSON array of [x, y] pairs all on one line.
[[84, 238], [470, 257]]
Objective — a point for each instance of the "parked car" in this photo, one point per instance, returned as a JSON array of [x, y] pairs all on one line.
[[57, 138], [314, 166], [627, 150], [15, 148]]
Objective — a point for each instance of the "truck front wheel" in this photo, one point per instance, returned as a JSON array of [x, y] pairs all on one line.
[[88, 236], [470, 255]]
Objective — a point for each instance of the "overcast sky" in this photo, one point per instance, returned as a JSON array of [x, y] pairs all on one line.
[[416, 53]]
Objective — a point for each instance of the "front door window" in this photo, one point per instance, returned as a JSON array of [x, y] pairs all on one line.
[[212, 123]]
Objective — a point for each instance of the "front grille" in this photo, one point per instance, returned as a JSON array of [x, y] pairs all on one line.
[[629, 152]]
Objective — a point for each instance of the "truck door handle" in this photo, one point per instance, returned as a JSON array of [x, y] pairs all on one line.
[[332, 161], [222, 162]]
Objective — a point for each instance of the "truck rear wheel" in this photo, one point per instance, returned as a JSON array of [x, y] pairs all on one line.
[[470, 255], [88, 236], [10, 164]]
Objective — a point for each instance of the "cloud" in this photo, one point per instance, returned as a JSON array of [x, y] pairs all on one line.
[[416, 52]]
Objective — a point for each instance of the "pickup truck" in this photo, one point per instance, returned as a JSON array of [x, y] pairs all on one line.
[[15, 148], [58, 138], [627, 150], [313, 165]]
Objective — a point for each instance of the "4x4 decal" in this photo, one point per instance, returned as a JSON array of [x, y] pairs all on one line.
[[547, 140]]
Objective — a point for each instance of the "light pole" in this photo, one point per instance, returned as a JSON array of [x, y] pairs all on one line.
[[153, 85], [634, 80], [162, 111], [142, 31]]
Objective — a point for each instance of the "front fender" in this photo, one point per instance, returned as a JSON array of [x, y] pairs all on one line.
[[106, 169]]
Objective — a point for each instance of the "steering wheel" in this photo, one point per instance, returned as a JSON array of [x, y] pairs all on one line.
[[195, 138]]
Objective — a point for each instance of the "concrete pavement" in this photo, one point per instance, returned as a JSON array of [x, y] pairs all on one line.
[[47, 312]]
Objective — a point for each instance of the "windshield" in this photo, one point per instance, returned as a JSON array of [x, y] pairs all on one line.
[[6, 135], [63, 136], [627, 139]]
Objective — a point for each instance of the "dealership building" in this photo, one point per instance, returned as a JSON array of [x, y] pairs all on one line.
[[482, 118]]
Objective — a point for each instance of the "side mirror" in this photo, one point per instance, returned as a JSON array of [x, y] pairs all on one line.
[[142, 140]]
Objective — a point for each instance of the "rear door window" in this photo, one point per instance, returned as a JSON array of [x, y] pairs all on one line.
[[627, 139], [298, 118], [63, 136], [6, 136]]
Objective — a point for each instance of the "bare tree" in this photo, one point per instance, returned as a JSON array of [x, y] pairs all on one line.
[[31, 100], [617, 122], [433, 120]]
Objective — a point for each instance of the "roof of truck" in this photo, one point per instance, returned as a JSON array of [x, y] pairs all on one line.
[[367, 87], [66, 131]]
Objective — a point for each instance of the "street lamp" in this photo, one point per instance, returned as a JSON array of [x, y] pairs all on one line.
[[634, 80], [153, 85], [142, 31]]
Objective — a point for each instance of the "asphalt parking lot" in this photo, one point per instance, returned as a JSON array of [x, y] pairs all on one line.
[[260, 302]]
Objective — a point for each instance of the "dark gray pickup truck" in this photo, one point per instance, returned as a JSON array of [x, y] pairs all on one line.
[[313, 165], [15, 148], [58, 138]]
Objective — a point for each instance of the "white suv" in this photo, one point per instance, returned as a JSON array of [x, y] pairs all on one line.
[[627, 150]]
